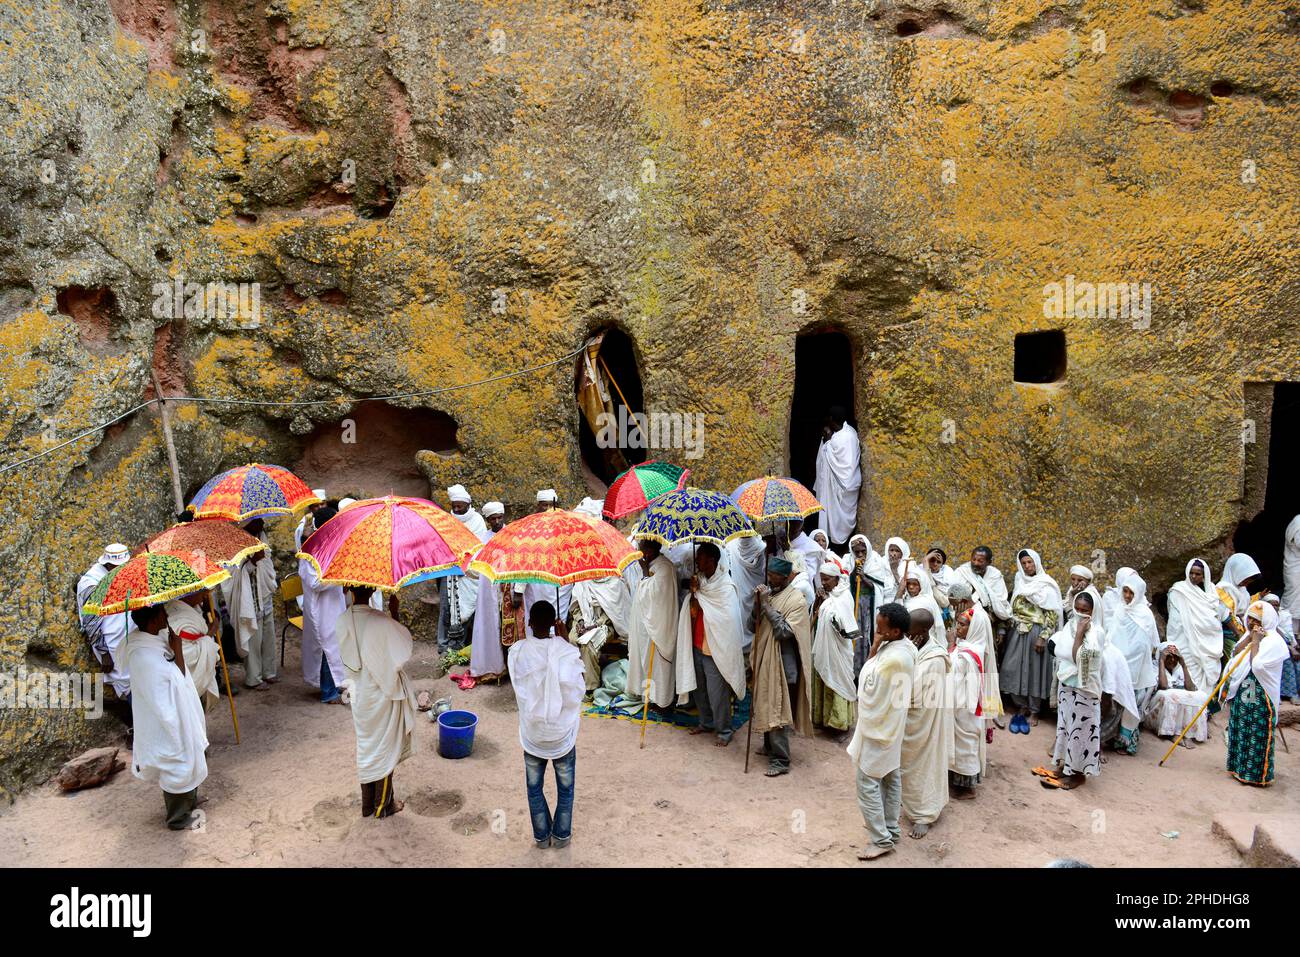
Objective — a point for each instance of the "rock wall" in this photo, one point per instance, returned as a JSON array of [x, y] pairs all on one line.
[[427, 194]]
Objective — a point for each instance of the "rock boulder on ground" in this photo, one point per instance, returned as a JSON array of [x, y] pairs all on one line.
[[89, 770]]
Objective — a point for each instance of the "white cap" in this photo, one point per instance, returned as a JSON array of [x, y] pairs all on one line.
[[115, 554], [831, 568], [546, 495], [319, 493], [457, 493], [590, 506], [493, 508], [345, 502]]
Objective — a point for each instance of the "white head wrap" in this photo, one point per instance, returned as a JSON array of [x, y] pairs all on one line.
[[1083, 571], [345, 502], [458, 493], [493, 508], [546, 495]]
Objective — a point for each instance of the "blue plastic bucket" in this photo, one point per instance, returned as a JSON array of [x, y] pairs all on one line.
[[456, 733]]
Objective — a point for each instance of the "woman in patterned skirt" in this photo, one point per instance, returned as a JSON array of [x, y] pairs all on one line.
[[1076, 652], [1254, 689]]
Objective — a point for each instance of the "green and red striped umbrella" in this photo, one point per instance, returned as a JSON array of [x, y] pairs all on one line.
[[152, 578], [772, 497], [642, 484]]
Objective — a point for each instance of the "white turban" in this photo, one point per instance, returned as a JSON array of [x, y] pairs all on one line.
[[1083, 571], [319, 493], [591, 506], [493, 508], [546, 495], [457, 493], [831, 568], [115, 554], [345, 502]]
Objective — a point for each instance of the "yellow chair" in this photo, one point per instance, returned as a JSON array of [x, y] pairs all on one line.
[[290, 589]]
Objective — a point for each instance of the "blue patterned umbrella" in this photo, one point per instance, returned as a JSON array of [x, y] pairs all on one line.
[[693, 515]]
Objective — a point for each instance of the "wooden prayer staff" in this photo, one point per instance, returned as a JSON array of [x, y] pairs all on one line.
[[645, 712], [1213, 694], [230, 696]]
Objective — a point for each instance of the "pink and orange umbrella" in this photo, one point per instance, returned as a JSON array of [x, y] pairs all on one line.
[[555, 548], [386, 543]]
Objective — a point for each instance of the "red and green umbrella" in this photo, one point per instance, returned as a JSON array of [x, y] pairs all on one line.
[[640, 485], [771, 497], [151, 578], [252, 490]]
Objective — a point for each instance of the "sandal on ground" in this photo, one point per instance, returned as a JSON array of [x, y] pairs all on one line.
[[1044, 772]]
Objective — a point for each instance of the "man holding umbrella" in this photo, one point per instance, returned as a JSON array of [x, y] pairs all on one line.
[[781, 661]]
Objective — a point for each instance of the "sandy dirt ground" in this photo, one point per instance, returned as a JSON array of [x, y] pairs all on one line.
[[288, 796]]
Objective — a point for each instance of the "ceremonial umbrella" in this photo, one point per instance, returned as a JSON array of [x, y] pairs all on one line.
[[251, 490], [151, 578], [386, 543], [218, 540], [640, 485], [693, 515], [770, 497], [554, 548]]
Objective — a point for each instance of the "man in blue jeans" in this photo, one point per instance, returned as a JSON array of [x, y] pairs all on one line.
[[549, 684]]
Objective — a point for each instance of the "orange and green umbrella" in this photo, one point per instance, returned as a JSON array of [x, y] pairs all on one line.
[[386, 543], [772, 497], [554, 548], [640, 485], [252, 490], [151, 578], [217, 539]]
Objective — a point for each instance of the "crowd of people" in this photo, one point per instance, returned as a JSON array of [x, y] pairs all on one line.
[[907, 661]]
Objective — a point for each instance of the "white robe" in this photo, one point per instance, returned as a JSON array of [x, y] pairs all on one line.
[[925, 600], [1267, 666], [373, 649], [561, 597], [654, 632], [320, 613], [106, 633], [1195, 628], [201, 656], [990, 590], [1291, 569], [928, 736], [549, 683], [832, 653], [800, 581], [747, 565], [969, 741], [237, 590], [611, 595], [721, 606], [1133, 631], [1117, 681], [170, 730], [883, 685], [486, 656], [838, 481]]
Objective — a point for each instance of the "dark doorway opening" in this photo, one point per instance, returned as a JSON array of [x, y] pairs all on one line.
[[1040, 357], [1261, 537], [823, 377], [609, 395]]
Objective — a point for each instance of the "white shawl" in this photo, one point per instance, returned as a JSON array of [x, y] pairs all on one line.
[[1291, 568], [1268, 661], [721, 606], [747, 565], [895, 577], [237, 590], [927, 736], [653, 631], [884, 690], [200, 653], [373, 649], [170, 730], [990, 590], [549, 684], [612, 595], [925, 600], [1195, 626], [838, 481], [1040, 587], [832, 653], [1117, 682], [321, 607], [1133, 630]]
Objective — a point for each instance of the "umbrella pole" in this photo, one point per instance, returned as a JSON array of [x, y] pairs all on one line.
[[230, 695], [645, 711]]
